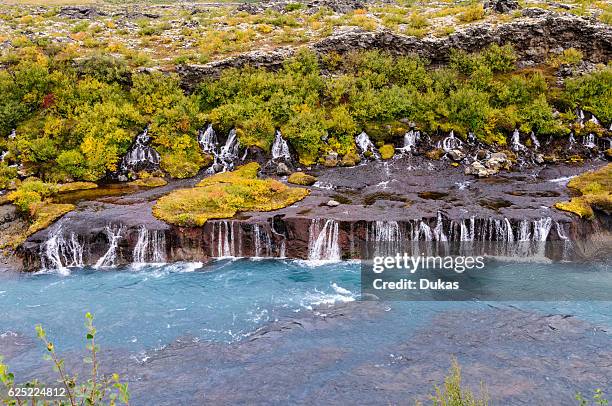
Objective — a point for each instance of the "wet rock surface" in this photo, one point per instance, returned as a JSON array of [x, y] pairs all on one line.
[[401, 190]]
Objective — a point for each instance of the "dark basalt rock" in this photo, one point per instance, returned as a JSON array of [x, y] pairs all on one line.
[[502, 6], [80, 12]]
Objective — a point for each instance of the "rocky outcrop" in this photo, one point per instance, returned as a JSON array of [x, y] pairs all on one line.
[[80, 12], [406, 199], [534, 36]]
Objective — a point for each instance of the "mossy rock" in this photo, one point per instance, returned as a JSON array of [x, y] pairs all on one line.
[[577, 205], [225, 194], [350, 159], [435, 154], [608, 154], [386, 131], [387, 151], [595, 188], [301, 178]]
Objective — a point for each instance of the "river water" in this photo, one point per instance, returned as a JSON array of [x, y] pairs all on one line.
[[150, 317]]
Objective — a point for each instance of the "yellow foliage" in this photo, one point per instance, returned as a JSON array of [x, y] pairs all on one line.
[[223, 195], [300, 178], [387, 151], [150, 182], [595, 188]]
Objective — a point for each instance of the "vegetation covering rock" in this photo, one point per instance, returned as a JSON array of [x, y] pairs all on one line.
[[225, 194], [595, 189], [387, 151], [301, 178]]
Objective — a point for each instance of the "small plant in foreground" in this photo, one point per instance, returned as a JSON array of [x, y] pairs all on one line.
[[97, 390], [598, 399], [452, 394]]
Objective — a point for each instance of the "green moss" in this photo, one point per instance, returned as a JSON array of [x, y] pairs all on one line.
[[595, 188], [387, 151], [225, 194], [300, 178], [577, 205], [351, 158]]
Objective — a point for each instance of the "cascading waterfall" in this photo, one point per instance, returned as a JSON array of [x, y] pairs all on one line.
[[386, 236], [208, 140], [451, 142], [280, 148], [262, 241], [323, 241], [410, 140], [229, 152], [467, 231], [58, 254], [3, 155], [534, 141], [141, 155], [223, 242], [438, 231], [150, 246], [110, 257], [365, 144], [589, 141], [223, 159], [516, 141]]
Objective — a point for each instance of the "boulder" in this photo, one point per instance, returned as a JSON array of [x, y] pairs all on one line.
[[456, 155], [80, 12], [502, 6], [333, 203], [282, 169]]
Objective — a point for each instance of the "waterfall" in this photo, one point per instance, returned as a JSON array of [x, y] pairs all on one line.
[[438, 231], [229, 152], [387, 236], [323, 241], [516, 141], [534, 141], [572, 140], [467, 232], [523, 233], [410, 140], [3, 155], [282, 250], [150, 246], [451, 142], [224, 240], [594, 119], [223, 159], [109, 258], [541, 228], [589, 141], [141, 155], [208, 140], [261, 241], [13, 134], [471, 138], [280, 148], [365, 144], [422, 230], [58, 254]]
